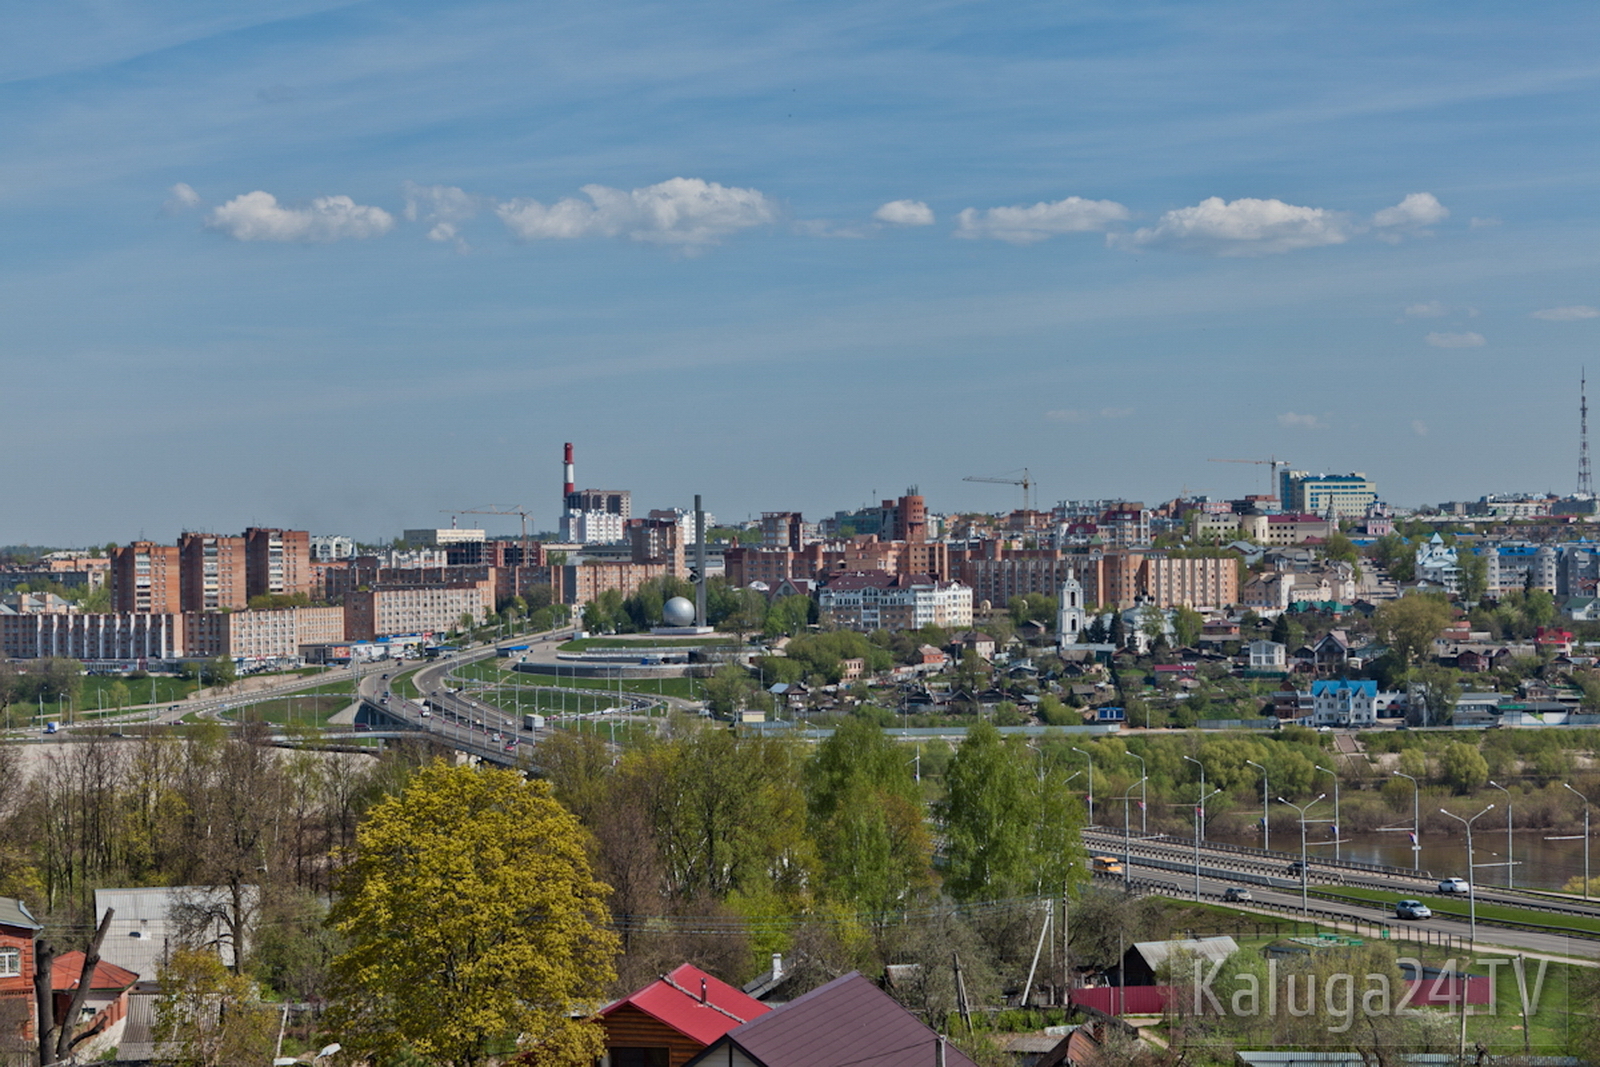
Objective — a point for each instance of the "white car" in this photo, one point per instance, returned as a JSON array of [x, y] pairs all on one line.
[[1454, 885]]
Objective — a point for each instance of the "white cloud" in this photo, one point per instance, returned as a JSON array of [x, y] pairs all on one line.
[[180, 197], [1308, 422], [1455, 340], [682, 211], [258, 216], [1245, 227], [1419, 427], [442, 208], [905, 213], [1567, 314], [1025, 225], [1415, 211], [1431, 310]]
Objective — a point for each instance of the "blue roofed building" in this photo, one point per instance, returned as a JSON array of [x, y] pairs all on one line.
[[1344, 702]]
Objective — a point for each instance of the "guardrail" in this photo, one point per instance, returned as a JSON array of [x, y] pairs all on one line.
[[1281, 857]]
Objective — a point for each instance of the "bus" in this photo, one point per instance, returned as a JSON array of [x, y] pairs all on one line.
[[1106, 864]]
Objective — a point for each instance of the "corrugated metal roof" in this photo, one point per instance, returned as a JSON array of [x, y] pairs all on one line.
[[14, 912], [849, 1020], [674, 999], [1212, 949]]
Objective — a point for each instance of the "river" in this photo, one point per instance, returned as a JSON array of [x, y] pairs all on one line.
[[1541, 863]]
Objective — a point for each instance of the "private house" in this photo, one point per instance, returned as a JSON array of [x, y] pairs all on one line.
[[848, 1021], [1268, 656], [671, 1020], [1331, 652], [107, 1002], [19, 931], [1144, 960], [1344, 703]]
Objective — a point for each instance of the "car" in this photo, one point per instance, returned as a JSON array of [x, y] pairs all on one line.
[[1236, 892], [1296, 868], [1412, 909], [1454, 885]]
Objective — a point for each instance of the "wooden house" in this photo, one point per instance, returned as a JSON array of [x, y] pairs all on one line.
[[673, 1019]]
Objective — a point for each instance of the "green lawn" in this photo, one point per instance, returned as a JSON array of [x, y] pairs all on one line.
[[310, 711], [403, 685], [542, 701]]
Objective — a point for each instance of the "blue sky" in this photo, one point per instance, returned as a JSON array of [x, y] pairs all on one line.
[[348, 266]]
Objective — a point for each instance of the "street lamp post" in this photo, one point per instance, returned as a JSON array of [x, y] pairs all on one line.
[[1200, 817], [1337, 851], [1090, 760], [1416, 821], [1585, 840], [1472, 878], [1127, 846], [1510, 842], [1266, 828], [1202, 811], [1144, 814], [1302, 809]]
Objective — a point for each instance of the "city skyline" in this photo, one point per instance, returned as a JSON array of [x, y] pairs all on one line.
[[348, 266]]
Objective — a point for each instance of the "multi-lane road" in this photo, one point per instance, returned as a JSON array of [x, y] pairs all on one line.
[[1272, 885]]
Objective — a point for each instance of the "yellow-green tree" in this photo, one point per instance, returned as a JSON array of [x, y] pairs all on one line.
[[475, 926], [210, 1017]]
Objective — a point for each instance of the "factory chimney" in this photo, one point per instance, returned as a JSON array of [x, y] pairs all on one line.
[[569, 486]]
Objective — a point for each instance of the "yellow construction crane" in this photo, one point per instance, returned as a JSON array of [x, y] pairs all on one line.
[[1274, 462], [1026, 481]]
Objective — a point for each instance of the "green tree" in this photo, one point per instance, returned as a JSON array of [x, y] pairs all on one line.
[[728, 690], [1186, 625], [1410, 624], [1439, 687], [1463, 768], [209, 1017], [474, 925], [866, 818], [1474, 574]]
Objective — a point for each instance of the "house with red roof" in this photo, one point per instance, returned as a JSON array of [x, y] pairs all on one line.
[[848, 1021], [106, 1003], [673, 1019]]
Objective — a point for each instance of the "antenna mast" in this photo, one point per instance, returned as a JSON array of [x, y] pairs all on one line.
[[1585, 481]]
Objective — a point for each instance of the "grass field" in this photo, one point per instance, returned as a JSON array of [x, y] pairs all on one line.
[[309, 711], [1498, 1026], [542, 701], [490, 671]]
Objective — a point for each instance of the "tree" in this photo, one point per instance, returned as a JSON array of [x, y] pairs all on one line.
[[1474, 575], [866, 817], [1186, 626], [1410, 625], [474, 924], [1439, 688], [1463, 768], [209, 1017]]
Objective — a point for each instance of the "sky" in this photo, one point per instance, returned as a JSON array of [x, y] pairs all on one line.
[[356, 267]]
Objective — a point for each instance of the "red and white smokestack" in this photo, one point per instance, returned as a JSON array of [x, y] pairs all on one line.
[[570, 486]]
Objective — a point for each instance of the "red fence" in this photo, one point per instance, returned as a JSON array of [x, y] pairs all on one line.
[[1124, 1000]]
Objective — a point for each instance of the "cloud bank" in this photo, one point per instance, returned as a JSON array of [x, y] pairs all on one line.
[[1574, 313], [1026, 225], [258, 216], [1415, 211], [905, 213], [1244, 227], [442, 208], [681, 211]]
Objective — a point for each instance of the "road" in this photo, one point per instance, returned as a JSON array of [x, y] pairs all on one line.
[[1267, 877]]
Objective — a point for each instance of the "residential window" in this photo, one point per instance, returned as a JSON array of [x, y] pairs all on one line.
[[10, 962]]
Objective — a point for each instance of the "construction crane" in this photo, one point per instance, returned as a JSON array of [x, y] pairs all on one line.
[[515, 509], [1026, 481], [1274, 462]]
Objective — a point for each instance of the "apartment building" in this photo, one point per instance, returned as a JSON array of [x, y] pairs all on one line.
[[579, 583], [145, 578], [277, 562], [418, 608], [211, 572], [878, 600], [122, 637], [1336, 496], [260, 635], [1168, 581]]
